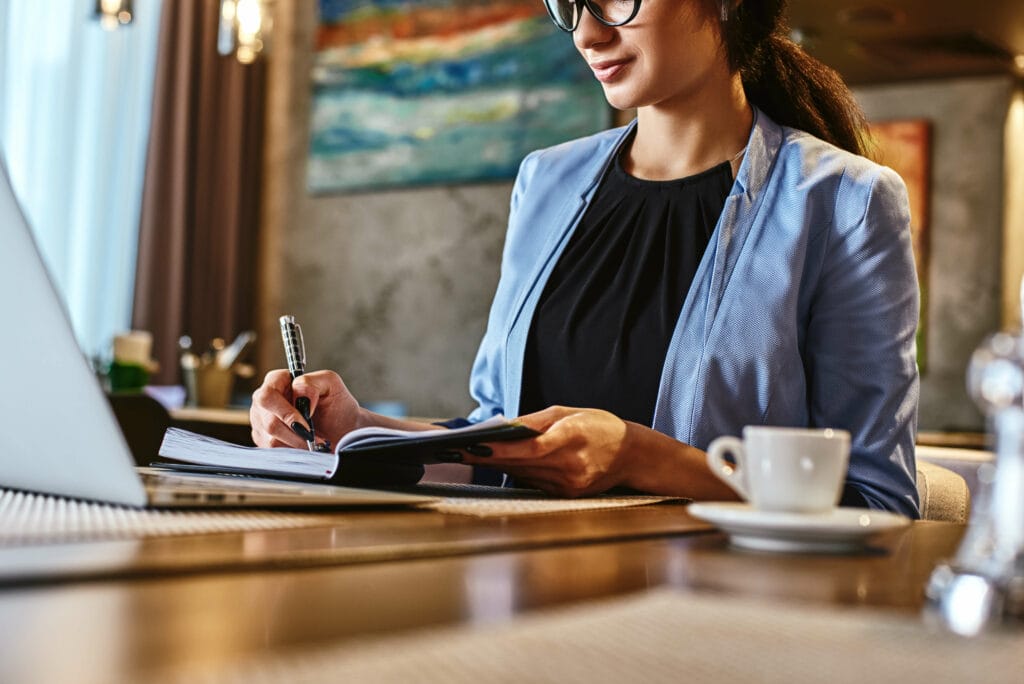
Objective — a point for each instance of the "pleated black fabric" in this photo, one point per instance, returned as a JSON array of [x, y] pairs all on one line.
[[605, 319]]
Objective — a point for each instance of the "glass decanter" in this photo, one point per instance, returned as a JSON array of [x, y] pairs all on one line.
[[982, 587]]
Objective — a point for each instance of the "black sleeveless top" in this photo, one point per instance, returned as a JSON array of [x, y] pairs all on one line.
[[602, 327]]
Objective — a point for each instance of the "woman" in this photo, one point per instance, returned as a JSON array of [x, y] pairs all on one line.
[[726, 259]]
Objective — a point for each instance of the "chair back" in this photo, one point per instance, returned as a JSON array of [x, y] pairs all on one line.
[[944, 494], [143, 421]]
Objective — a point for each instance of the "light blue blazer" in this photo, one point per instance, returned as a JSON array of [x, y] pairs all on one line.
[[803, 310]]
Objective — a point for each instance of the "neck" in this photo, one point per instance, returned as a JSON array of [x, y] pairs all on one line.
[[692, 134]]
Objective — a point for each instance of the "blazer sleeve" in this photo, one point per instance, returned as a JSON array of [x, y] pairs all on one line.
[[860, 349]]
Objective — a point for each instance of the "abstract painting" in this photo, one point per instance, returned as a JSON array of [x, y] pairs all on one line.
[[441, 91], [905, 146]]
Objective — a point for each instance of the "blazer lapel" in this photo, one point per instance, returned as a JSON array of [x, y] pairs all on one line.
[[679, 404], [741, 208]]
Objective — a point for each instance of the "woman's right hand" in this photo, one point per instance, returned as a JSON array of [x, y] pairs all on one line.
[[334, 410]]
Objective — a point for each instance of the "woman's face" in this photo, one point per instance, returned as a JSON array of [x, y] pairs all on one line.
[[665, 57]]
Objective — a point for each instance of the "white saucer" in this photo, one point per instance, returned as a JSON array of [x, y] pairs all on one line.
[[841, 530]]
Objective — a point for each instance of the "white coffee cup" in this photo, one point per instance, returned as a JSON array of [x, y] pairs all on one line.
[[799, 470]]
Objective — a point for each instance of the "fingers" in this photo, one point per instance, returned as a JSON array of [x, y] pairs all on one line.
[[527, 456], [273, 399], [559, 480], [290, 439], [272, 413], [552, 438], [315, 386], [274, 433], [542, 420], [547, 480], [279, 380]]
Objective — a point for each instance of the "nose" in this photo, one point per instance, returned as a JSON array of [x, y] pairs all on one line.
[[590, 32]]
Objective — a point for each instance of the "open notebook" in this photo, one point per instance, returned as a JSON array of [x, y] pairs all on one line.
[[396, 451], [57, 433]]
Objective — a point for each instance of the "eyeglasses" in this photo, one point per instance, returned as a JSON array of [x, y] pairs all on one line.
[[567, 13]]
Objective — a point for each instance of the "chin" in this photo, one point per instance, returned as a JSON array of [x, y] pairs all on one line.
[[620, 100]]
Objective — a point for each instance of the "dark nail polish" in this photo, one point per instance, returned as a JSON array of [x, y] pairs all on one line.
[[448, 457], [302, 432], [481, 450]]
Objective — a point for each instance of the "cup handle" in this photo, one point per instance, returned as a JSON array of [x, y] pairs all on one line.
[[728, 473]]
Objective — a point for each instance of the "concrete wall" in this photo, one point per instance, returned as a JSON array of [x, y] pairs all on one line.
[[392, 288], [1013, 212]]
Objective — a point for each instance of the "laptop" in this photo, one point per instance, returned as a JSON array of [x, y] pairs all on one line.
[[58, 434]]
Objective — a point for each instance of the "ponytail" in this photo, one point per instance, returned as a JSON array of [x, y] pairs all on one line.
[[782, 80]]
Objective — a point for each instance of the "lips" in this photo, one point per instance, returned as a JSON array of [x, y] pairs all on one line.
[[606, 71]]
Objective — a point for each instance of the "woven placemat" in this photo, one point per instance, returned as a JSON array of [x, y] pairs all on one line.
[[490, 508], [484, 501], [662, 636]]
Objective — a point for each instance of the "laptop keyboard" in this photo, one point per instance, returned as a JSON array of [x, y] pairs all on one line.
[[212, 482]]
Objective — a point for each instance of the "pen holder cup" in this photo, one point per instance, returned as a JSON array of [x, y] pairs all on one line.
[[213, 386]]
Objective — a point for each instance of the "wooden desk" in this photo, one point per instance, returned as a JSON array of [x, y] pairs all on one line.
[[336, 538], [123, 630]]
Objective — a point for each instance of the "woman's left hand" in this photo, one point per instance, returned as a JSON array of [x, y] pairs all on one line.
[[581, 452]]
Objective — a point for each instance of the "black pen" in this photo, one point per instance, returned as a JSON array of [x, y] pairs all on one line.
[[295, 353]]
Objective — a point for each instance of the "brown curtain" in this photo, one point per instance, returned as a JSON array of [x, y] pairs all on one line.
[[200, 205]]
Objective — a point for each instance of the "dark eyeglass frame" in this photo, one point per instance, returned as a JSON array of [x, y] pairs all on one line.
[[596, 13]]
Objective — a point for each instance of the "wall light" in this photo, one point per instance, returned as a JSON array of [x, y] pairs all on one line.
[[245, 27], [114, 13]]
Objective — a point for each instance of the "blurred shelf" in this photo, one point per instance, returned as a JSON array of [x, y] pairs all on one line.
[[957, 440], [225, 416], [228, 424]]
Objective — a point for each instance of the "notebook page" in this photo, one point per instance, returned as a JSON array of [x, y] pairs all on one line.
[[189, 447]]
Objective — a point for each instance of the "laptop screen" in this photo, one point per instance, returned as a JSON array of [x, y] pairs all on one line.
[[57, 432]]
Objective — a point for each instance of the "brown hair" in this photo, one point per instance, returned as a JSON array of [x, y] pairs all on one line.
[[790, 86]]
